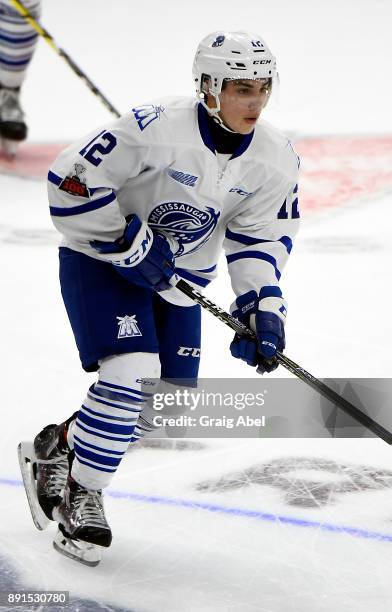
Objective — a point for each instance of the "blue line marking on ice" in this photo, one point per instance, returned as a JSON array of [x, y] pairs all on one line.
[[10, 482], [243, 512]]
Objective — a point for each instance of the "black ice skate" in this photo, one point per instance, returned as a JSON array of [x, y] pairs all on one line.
[[83, 528], [45, 467], [13, 128]]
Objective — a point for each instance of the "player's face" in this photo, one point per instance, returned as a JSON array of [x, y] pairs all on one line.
[[242, 102]]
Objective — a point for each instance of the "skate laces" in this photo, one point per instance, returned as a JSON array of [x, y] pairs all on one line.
[[55, 473], [90, 506]]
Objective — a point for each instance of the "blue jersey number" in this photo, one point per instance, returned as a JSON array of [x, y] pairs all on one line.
[[94, 151], [284, 213]]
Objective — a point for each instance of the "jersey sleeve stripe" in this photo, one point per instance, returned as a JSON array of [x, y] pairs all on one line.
[[249, 241], [54, 178], [207, 270], [288, 243], [202, 282], [55, 211], [243, 239], [255, 255]]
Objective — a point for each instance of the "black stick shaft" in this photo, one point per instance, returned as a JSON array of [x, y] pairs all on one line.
[[290, 365]]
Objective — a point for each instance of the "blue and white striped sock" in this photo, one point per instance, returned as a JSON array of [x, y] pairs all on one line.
[[17, 42], [145, 424], [107, 418], [143, 427]]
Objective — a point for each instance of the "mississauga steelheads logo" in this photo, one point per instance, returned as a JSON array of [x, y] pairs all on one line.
[[190, 226]]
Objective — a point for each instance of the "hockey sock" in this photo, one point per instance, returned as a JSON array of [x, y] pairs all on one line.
[[17, 42], [107, 418], [145, 424]]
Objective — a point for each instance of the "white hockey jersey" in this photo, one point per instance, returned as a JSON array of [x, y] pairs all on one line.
[[159, 162]]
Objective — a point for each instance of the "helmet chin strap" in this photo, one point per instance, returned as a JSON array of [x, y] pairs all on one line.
[[214, 113], [219, 121]]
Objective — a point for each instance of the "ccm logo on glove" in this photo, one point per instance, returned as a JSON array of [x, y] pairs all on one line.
[[141, 255]]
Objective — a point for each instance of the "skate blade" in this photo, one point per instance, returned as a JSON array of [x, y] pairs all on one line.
[[9, 148], [27, 459], [82, 552]]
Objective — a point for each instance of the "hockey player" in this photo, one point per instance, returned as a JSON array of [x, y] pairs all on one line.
[[152, 196], [17, 44]]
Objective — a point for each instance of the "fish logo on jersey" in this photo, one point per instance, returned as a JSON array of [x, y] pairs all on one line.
[[75, 182], [128, 327], [188, 225]]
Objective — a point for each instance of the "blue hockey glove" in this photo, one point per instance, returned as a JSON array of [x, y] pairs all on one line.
[[142, 256], [265, 314]]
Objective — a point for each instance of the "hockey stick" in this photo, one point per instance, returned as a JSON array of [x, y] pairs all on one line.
[[51, 42], [290, 365]]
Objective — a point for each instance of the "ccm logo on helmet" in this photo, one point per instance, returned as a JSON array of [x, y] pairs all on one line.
[[188, 351], [262, 62]]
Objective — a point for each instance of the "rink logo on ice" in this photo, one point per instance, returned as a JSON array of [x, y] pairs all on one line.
[[186, 179], [146, 114], [299, 483], [75, 182], [188, 225], [128, 327]]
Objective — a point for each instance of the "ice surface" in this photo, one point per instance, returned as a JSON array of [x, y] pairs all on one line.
[[306, 525]]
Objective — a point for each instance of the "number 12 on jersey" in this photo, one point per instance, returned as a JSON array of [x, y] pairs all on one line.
[[93, 151], [284, 212]]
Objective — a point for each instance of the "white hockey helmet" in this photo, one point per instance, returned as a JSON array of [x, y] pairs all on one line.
[[231, 55]]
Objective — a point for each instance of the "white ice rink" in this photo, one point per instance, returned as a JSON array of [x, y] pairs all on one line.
[[306, 525]]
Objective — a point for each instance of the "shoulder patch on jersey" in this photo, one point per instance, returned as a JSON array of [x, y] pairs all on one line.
[[75, 183], [146, 114]]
